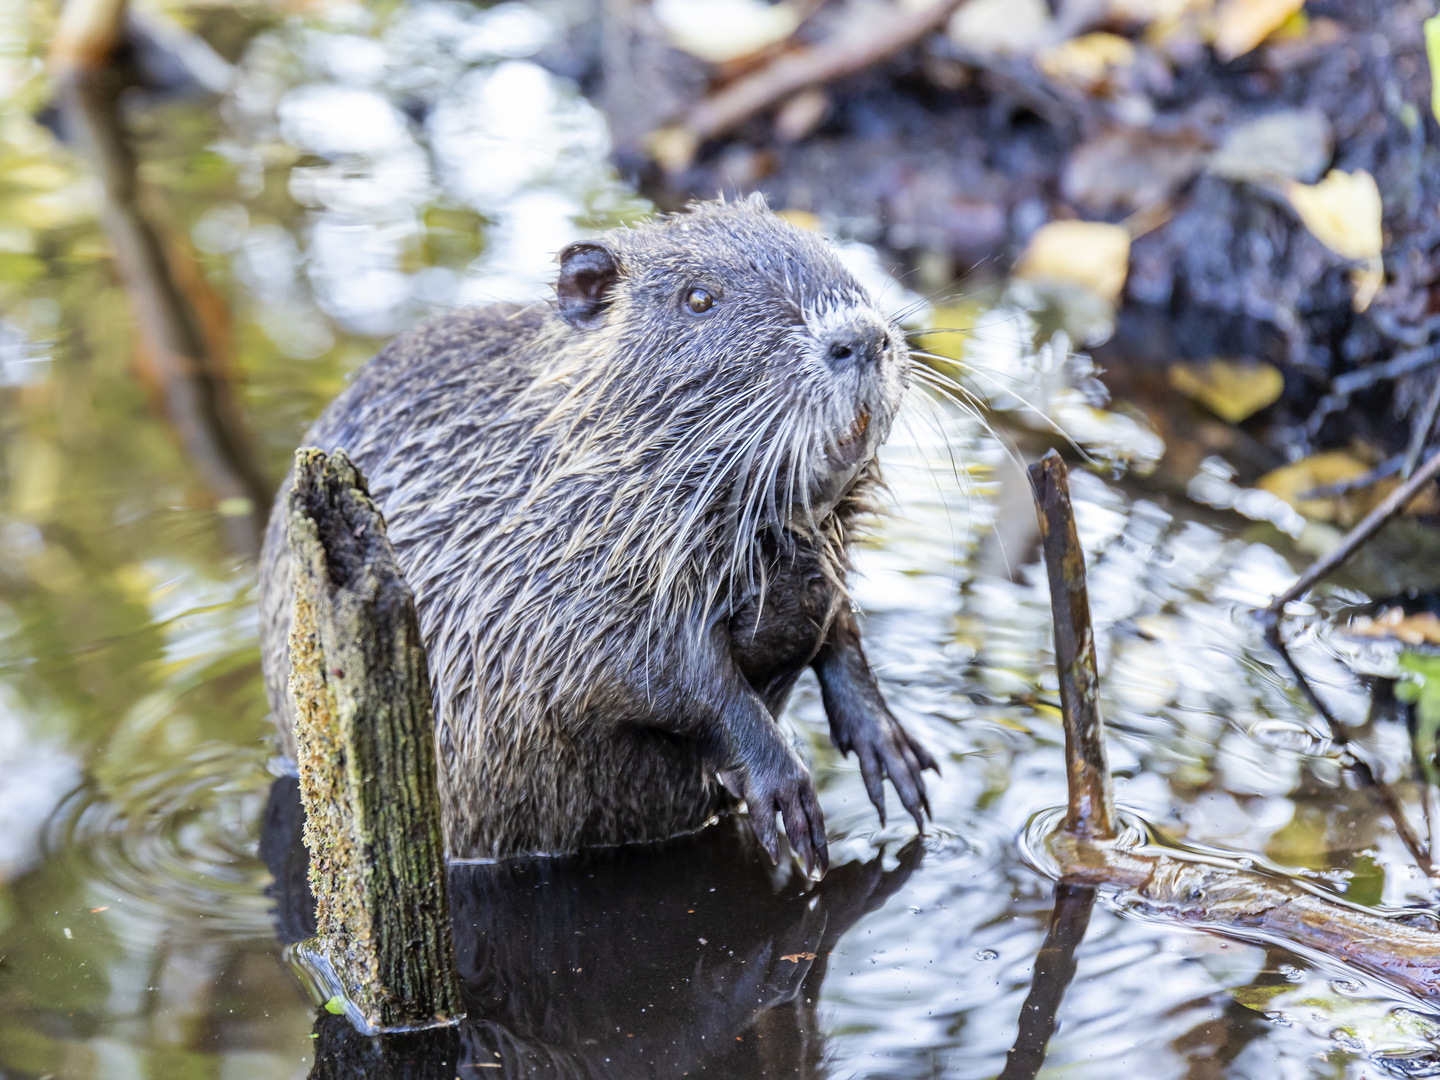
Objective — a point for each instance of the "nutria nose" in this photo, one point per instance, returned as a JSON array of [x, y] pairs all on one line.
[[860, 343]]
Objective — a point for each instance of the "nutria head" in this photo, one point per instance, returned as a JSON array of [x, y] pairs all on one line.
[[772, 375]]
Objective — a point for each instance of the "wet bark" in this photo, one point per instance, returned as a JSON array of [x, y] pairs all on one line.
[[366, 753], [1091, 809]]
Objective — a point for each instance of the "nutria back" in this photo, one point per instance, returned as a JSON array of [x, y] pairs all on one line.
[[589, 497]]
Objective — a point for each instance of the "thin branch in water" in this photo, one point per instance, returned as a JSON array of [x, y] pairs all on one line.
[[1357, 766], [1092, 802], [184, 364]]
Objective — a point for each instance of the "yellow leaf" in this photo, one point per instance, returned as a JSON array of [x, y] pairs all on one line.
[[1240, 25], [1367, 281], [949, 326], [1001, 26], [36, 468], [1089, 253], [1292, 481], [1087, 59], [40, 174], [1231, 389], [721, 30], [1148, 11], [1432, 49], [672, 148], [803, 219], [1343, 211]]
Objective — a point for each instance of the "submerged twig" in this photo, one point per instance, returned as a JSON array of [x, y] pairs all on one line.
[[1251, 904], [1357, 766], [1356, 538], [1092, 803]]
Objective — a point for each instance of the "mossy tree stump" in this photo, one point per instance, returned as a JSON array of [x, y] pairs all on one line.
[[365, 746]]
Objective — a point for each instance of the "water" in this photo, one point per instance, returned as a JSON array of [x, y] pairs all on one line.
[[364, 166]]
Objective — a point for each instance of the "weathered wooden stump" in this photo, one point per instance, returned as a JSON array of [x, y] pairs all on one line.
[[365, 746]]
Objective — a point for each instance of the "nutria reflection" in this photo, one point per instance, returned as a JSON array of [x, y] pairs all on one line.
[[691, 956]]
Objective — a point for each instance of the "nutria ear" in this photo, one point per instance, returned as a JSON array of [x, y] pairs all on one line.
[[587, 272]]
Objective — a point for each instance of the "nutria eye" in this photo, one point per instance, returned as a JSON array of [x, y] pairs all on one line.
[[699, 301]]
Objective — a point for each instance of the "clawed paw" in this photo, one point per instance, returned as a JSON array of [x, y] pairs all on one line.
[[885, 749], [783, 787]]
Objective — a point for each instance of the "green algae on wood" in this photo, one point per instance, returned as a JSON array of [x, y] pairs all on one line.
[[366, 754]]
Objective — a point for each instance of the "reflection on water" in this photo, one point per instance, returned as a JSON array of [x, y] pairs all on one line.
[[368, 164], [657, 960]]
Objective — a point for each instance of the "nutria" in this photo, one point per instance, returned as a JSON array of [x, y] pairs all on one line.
[[625, 517]]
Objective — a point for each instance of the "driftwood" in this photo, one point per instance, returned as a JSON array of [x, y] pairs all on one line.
[[789, 74], [366, 752], [1222, 894]]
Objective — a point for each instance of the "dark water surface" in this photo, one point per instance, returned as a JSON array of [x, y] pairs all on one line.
[[365, 165]]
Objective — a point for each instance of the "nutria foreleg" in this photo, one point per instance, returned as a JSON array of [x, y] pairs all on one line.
[[861, 721], [703, 694]]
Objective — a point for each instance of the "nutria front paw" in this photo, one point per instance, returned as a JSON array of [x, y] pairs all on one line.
[[783, 786], [884, 748]]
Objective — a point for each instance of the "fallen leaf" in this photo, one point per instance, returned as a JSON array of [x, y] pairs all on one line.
[[1392, 624], [1367, 281], [1295, 480], [796, 957], [1086, 60], [1016, 27], [1343, 211], [336, 1005], [1231, 389], [672, 148], [1089, 253], [1149, 11], [950, 326], [801, 114], [1240, 25], [1289, 144], [722, 30], [1432, 49], [803, 219]]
